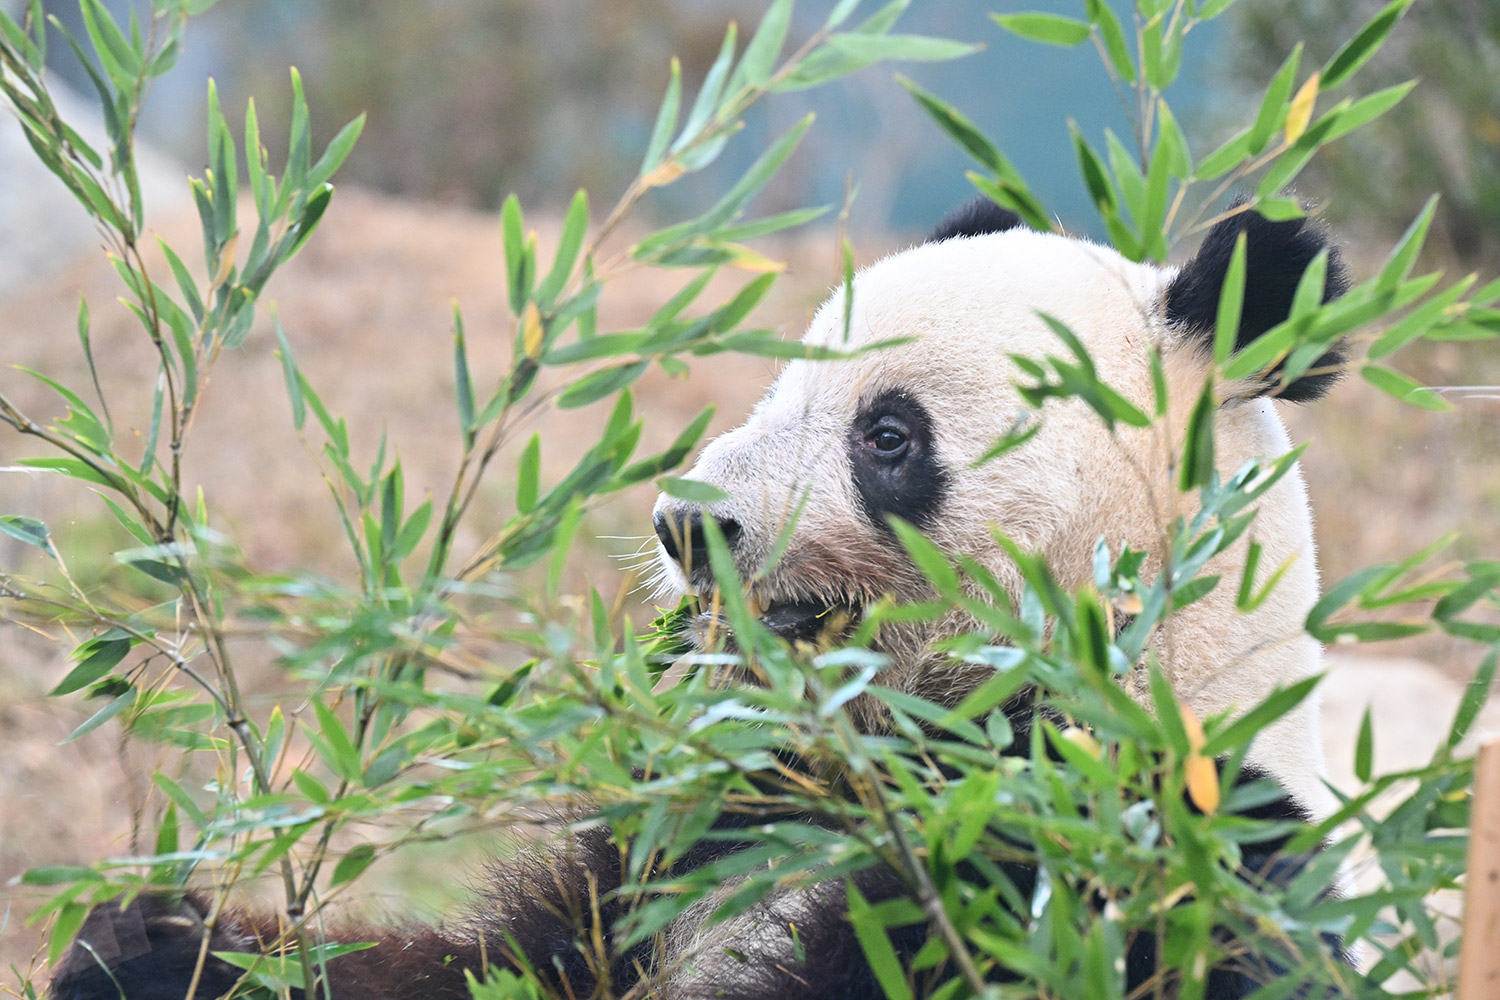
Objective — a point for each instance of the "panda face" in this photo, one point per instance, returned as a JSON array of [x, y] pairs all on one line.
[[840, 447]]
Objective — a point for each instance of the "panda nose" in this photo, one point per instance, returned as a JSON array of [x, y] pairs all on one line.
[[686, 532]]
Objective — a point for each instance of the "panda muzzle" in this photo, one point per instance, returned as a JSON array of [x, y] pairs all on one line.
[[807, 621]]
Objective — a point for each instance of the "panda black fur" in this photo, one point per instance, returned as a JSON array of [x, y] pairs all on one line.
[[864, 444]]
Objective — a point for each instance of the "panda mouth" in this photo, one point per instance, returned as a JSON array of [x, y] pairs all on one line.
[[812, 622]]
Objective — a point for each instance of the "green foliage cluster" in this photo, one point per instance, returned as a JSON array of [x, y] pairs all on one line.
[[1097, 803], [1448, 141]]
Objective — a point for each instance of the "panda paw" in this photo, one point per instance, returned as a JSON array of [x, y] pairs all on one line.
[[149, 949]]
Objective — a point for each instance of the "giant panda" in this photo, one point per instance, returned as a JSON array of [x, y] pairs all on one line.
[[849, 445]]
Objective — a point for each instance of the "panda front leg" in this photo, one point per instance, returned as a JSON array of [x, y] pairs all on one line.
[[794, 944], [162, 947], [536, 911]]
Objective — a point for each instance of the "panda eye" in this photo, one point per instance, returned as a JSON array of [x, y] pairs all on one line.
[[887, 439]]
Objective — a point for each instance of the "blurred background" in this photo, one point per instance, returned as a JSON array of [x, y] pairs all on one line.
[[469, 100]]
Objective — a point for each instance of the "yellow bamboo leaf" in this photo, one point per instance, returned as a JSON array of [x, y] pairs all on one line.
[[1300, 112], [1200, 773], [749, 260], [227, 258], [1196, 738], [667, 172], [1202, 783], [1083, 740], [531, 331]]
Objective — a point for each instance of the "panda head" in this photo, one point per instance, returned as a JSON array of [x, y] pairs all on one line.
[[840, 447]]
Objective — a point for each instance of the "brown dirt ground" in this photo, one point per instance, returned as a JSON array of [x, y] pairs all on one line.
[[367, 309]]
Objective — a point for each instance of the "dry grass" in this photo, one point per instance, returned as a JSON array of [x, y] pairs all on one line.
[[367, 308]]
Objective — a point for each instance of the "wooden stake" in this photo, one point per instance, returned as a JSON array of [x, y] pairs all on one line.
[[1479, 956]]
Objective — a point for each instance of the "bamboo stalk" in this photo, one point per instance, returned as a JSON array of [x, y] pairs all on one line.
[[1479, 956]]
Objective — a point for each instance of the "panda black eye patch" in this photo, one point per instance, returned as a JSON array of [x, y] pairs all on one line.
[[895, 468]]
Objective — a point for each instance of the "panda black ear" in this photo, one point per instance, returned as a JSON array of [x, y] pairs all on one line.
[[1276, 255], [975, 218]]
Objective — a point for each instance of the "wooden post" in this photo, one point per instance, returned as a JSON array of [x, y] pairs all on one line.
[[1479, 956]]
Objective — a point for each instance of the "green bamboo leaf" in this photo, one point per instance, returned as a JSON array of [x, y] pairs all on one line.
[[1357, 51], [117, 704], [463, 381], [1152, 222], [514, 238], [840, 13], [335, 153], [341, 755], [1404, 388], [166, 832], [1239, 732], [88, 355], [1198, 444], [1456, 601], [568, 244], [866, 49], [962, 131], [666, 121], [59, 875], [528, 475], [772, 224], [691, 490], [1350, 115], [73, 468], [607, 345], [1262, 353], [299, 147], [594, 387], [707, 100], [96, 657], [27, 529], [1113, 37], [262, 185], [927, 557], [1273, 106], [121, 61], [1016, 197], [1309, 294], [1179, 159], [673, 456], [733, 312], [870, 931], [1287, 167], [224, 182], [1052, 29], [290, 374], [1421, 320], [1403, 255], [1224, 159], [412, 531], [1231, 304], [1095, 176], [759, 60], [1364, 747], [180, 798], [1475, 696], [730, 205], [354, 861], [301, 229]]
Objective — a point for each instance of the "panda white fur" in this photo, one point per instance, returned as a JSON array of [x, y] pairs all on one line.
[[846, 445], [823, 444]]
